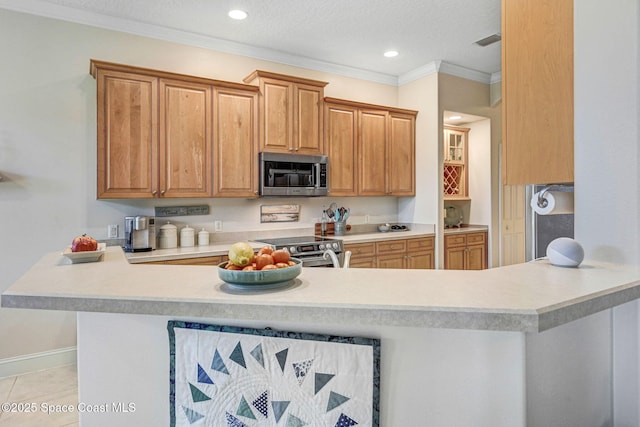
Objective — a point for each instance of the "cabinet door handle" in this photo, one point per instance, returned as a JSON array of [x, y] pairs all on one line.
[[154, 192], [162, 192]]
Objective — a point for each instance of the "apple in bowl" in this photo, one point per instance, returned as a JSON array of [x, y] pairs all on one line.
[[84, 243]]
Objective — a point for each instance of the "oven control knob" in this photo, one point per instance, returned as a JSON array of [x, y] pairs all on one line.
[[336, 246], [292, 249], [321, 246]]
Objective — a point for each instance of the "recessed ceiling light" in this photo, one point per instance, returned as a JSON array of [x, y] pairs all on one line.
[[455, 117], [391, 53], [237, 14]]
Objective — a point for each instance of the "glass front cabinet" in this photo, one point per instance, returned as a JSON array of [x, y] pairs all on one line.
[[455, 167]]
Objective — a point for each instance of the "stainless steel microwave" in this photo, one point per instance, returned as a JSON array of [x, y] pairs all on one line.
[[293, 175]]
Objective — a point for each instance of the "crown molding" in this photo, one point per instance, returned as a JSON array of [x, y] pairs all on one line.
[[423, 71], [465, 73], [65, 13], [451, 69]]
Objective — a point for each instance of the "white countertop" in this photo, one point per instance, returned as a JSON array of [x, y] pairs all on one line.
[[526, 297], [222, 248], [215, 249]]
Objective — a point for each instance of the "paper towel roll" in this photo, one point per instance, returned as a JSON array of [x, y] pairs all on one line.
[[558, 202]]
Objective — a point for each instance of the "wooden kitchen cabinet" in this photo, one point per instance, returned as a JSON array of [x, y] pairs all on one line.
[[157, 133], [235, 112], [386, 149], [127, 117], [397, 253], [371, 149], [341, 132], [455, 163], [291, 113], [465, 251], [421, 253], [391, 253], [401, 173], [154, 137], [363, 255], [537, 91], [185, 139], [372, 152]]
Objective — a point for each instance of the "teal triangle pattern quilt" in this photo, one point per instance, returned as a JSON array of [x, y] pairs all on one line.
[[247, 377]]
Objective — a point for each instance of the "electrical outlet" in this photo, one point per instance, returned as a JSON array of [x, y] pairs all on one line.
[[112, 231], [366, 219], [217, 225]]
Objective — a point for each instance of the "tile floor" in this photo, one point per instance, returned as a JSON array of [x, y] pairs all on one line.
[[39, 391]]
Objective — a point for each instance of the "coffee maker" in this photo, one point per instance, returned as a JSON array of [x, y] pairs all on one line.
[[139, 233]]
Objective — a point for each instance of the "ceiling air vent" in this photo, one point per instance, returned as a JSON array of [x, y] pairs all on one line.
[[493, 38]]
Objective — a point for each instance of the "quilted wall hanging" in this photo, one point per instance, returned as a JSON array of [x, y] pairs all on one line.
[[223, 376]]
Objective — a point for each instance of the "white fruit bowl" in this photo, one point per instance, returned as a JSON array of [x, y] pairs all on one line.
[[85, 256]]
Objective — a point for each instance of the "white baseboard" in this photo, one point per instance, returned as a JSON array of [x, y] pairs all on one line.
[[37, 361]]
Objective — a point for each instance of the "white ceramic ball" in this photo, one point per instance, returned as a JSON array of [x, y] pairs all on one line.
[[565, 252]]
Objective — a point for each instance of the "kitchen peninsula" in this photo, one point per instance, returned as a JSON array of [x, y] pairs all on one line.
[[509, 346]]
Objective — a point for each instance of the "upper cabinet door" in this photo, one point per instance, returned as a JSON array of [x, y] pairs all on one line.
[[401, 154], [455, 175], [537, 91], [341, 132], [372, 151], [235, 143], [185, 139], [127, 135], [308, 133], [291, 111], [277, 116]]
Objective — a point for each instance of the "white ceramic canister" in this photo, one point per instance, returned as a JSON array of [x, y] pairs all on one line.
[[203, 238], [187, 237], [168, 236]]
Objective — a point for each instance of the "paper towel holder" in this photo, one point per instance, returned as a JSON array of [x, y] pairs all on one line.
[[542, 201]]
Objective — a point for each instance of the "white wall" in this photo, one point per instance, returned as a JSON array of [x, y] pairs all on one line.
[[48, 151], [420, 95], [607, 116], [480, 173], [427, 375]]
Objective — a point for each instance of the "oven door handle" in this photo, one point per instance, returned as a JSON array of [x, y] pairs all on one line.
[[318, 261]]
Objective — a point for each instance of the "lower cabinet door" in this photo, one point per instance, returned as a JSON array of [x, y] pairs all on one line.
[[423, 260], [454, 258], [477, 257], [362, 263], [391, 261]]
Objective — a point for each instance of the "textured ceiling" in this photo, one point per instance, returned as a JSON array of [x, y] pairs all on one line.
[[347, 33]]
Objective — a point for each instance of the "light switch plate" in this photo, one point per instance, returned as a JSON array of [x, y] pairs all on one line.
[[112, 231]]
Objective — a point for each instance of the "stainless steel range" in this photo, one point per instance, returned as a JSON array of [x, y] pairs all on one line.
[[308, 248]]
